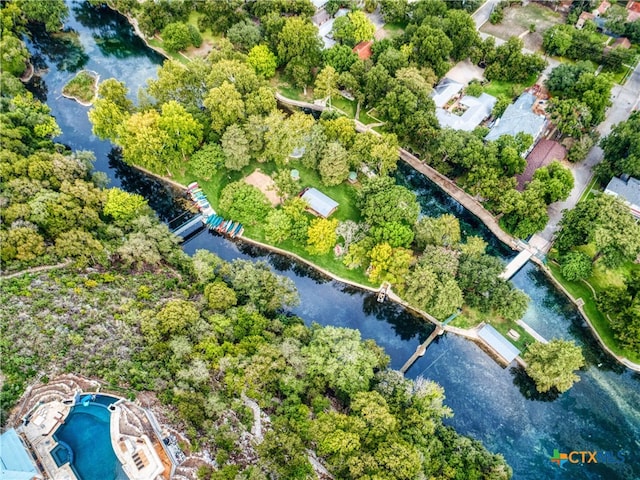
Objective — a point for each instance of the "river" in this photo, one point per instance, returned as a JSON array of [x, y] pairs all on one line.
[[496, 405]]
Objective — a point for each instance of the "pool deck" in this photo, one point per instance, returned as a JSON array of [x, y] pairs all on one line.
[[137, 453], [44, 421]]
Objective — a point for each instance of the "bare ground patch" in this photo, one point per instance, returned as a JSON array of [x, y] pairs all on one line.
[[517, 21], [265, 184]]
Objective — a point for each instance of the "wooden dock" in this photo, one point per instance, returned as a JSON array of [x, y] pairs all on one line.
[[422, 348]]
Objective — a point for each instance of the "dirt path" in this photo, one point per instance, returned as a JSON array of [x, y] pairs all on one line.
[[43, 268]]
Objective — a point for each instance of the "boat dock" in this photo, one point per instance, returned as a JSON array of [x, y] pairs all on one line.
[[422, 348], [516, 264]]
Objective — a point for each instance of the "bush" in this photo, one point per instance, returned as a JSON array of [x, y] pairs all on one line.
[[474, 89], [176, 36], [196, 38], [576, 266]]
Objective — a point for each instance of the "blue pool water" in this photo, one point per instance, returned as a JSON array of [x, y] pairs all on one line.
[[86, 433]]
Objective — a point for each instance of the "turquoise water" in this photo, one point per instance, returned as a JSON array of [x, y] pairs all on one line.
[[86, 432]]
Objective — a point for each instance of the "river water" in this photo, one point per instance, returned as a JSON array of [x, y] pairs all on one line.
[[496, 405]]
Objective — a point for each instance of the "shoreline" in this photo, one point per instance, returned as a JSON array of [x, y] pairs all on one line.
[[443, 183]]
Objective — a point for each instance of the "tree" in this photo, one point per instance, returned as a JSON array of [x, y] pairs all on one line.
[[22, 243], [124, 206], [381, 201], [13, 55], [461, 30], [394, 233], [326, 85], [616, 17], [244, 35], [207, 161], [553, 364], [277, 226], [263, 61], [510, 64], [607, 222], [244, 203], [299, 40], [570, 116], [363, 29], [182, 131], [176, 36], [351, 231], [340, 57], [111, 110], [432, 48], [51, 13], [557, 40], [225, 106], [576, 266], [143, 141], [254, 283], [81, 246], [394, 11], [185, 84], [176, 317], [478, 277], [235, 147], [337, 358], [421, 284], [334, 164], [556, 181], [389, 264], [474, 247], [219, 296], [321, 236], [443, 230], [621, 149]]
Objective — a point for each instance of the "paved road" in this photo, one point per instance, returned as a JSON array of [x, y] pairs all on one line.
[[624, 99], [481, 15]]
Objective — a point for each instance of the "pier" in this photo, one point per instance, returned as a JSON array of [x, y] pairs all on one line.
[[185, 227], [516, 264], [421, 349]]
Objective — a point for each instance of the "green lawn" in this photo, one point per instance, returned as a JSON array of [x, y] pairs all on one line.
[[344, 194], [471, 317], [587, 191], [207, 35], [597, 319], [154, 42], [508, 89]]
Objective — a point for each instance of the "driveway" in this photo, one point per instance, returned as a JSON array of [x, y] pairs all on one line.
[[624, 99], [481, 15]]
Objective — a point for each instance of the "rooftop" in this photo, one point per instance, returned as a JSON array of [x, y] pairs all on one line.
[[627, 189], [503, 347], [363, 49], [542, 155], [478, 108], [518, 117], [444, 91], [15, 461], [319, 202]]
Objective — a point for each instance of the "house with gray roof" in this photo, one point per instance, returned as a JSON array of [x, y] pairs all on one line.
[[444, 91], [519, 117], [476, 109], [628, 189]]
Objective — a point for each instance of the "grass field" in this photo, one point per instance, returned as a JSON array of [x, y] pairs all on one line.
[[508, 89], [599, 280], [344, 194]]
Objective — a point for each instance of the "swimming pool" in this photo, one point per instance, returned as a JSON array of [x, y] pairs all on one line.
[[85, 441]]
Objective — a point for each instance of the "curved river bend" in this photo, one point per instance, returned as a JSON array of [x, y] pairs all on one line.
[[495, 405]]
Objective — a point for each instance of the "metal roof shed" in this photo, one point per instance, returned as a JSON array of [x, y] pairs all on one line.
[[319, 203], [503, 347]]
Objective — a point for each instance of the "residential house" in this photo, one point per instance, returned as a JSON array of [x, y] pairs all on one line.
[[15, 461], [628, 189], [473, 111], [519, 117], [542, 155]]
